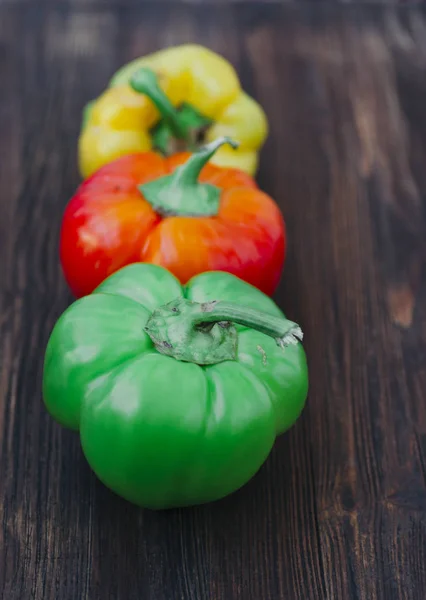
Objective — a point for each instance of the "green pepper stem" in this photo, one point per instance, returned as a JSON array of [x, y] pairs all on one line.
[[145, 81], [204, 333], [284, 332], [181, 193]]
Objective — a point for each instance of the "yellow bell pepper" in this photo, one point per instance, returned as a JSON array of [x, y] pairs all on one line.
[[175, 99]]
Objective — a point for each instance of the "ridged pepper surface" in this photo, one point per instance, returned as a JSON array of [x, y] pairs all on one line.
[[178, 392], [173, 100], [177, 212]]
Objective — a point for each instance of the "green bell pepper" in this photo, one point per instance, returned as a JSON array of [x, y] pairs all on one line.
[[178, 392]]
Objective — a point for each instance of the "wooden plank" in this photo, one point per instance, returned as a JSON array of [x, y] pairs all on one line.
[[114, 4], [338, 511]]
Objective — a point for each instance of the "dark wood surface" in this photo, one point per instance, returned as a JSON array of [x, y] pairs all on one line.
[[338, 511]]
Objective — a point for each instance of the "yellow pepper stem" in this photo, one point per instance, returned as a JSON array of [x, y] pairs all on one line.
[[145, 81], [179, 128]]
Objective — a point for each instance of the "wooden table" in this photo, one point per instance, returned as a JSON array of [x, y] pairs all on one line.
[[338, 511]]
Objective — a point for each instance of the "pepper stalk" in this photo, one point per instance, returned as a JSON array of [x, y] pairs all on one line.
[[184, 124], [204, 333], [181, 193]]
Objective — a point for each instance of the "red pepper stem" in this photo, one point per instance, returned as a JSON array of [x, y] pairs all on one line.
[[203, 333], [145, 81], [188, 173], [181, 193]]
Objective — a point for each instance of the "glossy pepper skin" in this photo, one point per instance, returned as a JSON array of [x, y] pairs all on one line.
[[195, 89], [133, 210], [175, 404]]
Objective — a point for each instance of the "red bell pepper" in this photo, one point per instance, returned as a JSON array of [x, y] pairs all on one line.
[[178, 212]]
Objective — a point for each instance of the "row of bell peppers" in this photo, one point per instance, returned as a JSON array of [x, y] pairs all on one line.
[[174, 363]]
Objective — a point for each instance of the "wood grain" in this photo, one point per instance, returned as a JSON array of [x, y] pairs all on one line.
[[147, 4], [338, 511]]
